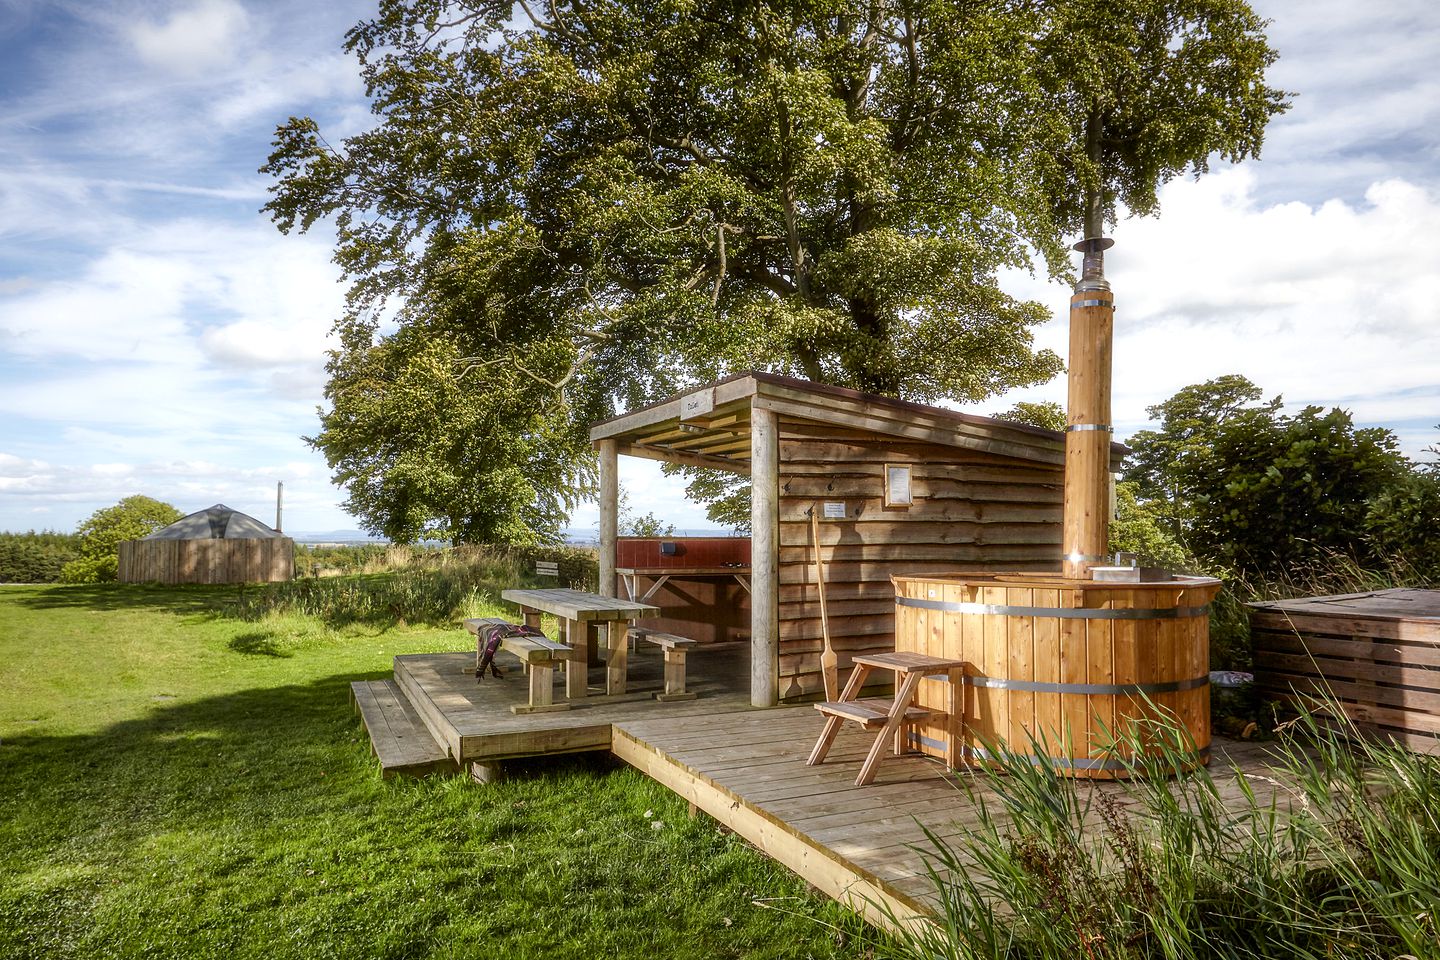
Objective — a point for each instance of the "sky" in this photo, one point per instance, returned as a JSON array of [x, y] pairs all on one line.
[[158, 335]]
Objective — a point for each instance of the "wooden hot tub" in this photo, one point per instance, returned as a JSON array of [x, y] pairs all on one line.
[[1058, 666]]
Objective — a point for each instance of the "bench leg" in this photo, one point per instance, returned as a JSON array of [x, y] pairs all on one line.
[[832, 724], [617, 654], [827, 738], [674, 676], [542, 691]]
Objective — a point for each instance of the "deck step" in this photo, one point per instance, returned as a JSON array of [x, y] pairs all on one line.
[[398, 736]]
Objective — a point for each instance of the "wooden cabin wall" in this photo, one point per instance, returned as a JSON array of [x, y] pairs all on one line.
[[207, 561], [972, 512]]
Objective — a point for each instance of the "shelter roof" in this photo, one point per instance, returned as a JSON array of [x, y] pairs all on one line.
[[216, 523], [709, 426]]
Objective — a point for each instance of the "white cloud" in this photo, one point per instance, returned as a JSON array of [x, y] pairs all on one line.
[[203, 37], [184, 293], [72, 493], [1335, 304]]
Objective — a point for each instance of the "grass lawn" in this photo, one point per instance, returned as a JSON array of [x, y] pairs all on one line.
[[177, 783]]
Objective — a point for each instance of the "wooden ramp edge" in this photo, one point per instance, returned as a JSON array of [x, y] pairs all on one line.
[[398, 736], [826, 870]]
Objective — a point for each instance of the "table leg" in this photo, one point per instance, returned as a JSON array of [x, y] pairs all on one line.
[[617, 651], [903, 698], [577, 671]]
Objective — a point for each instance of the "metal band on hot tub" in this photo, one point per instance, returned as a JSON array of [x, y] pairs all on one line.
[[1062, 613], [1067, 763], [1092, 689]]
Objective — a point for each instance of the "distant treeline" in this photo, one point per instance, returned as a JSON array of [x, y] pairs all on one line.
[[36, 557]]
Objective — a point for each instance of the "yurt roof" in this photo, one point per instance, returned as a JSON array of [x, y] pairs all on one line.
[[216, 523]]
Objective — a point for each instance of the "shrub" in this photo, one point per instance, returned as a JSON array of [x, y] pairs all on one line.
[[421, 585], [1350, 869], [100, 536]]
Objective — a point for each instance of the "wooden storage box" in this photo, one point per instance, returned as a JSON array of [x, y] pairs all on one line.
[[1377, 653]]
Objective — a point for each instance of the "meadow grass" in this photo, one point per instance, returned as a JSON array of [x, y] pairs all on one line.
[[176, 782]]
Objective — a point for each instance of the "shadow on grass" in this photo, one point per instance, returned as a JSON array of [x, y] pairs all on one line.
[[207, 600], [260, 643]]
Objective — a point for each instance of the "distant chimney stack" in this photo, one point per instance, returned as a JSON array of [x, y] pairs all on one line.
[[279, 504]]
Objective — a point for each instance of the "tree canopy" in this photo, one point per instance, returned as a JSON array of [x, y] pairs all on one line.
[[1246, 487], [567, 207], [101, 533]]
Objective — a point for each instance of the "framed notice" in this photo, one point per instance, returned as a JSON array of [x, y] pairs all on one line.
[[897, 485]]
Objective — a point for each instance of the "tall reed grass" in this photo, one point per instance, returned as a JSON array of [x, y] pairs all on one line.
[[1333, 573], [414, 585], [1344, 861]]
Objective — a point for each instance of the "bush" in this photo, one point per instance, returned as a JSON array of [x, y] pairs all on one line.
[[36, 557], [100, 536]]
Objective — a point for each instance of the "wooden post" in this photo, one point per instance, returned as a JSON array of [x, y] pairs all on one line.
[[1086, 526], [609, 515], [764, 558]]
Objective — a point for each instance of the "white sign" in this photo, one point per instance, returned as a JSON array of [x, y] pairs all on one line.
[[834, 510], [897, 485]]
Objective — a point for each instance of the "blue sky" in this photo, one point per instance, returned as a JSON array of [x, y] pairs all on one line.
[[159, 336]]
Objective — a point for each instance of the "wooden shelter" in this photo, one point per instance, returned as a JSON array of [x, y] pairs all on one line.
[[215, 545], [900, 488]]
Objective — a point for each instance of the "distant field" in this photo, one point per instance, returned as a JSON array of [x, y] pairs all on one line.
[[177, 783]]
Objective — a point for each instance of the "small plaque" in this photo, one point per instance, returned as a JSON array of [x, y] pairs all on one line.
[[834, 510], [697, 404], [897, 485]]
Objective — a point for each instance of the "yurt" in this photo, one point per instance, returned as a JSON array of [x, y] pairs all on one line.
[[216, 545]]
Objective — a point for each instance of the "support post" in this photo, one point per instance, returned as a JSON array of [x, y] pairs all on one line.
[[1086, 532], [609, 515], [764, 557]]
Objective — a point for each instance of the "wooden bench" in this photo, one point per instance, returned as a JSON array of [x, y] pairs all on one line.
[[539, 655], [675, 648]]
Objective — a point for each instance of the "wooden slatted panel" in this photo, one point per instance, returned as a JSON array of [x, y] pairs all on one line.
[[972, 511], [1377, 654], [207, 561], [398, 736]]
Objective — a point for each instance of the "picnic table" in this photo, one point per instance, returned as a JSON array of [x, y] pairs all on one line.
[[581, 613]]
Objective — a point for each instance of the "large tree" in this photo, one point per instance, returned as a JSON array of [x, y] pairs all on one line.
[[591, 204]]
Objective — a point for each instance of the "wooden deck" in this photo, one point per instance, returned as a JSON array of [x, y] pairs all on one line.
[[472, 722], [863, 846], [744, 767]]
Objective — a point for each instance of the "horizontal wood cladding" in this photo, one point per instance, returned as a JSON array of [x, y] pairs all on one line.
[[1383, 671], [972, 510], [206, 561]]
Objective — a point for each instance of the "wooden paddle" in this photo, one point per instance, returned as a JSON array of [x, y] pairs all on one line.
[[829, 660]]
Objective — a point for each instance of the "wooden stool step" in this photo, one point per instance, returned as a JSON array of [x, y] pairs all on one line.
[[872, 712], [398, 736], [890, 717]]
